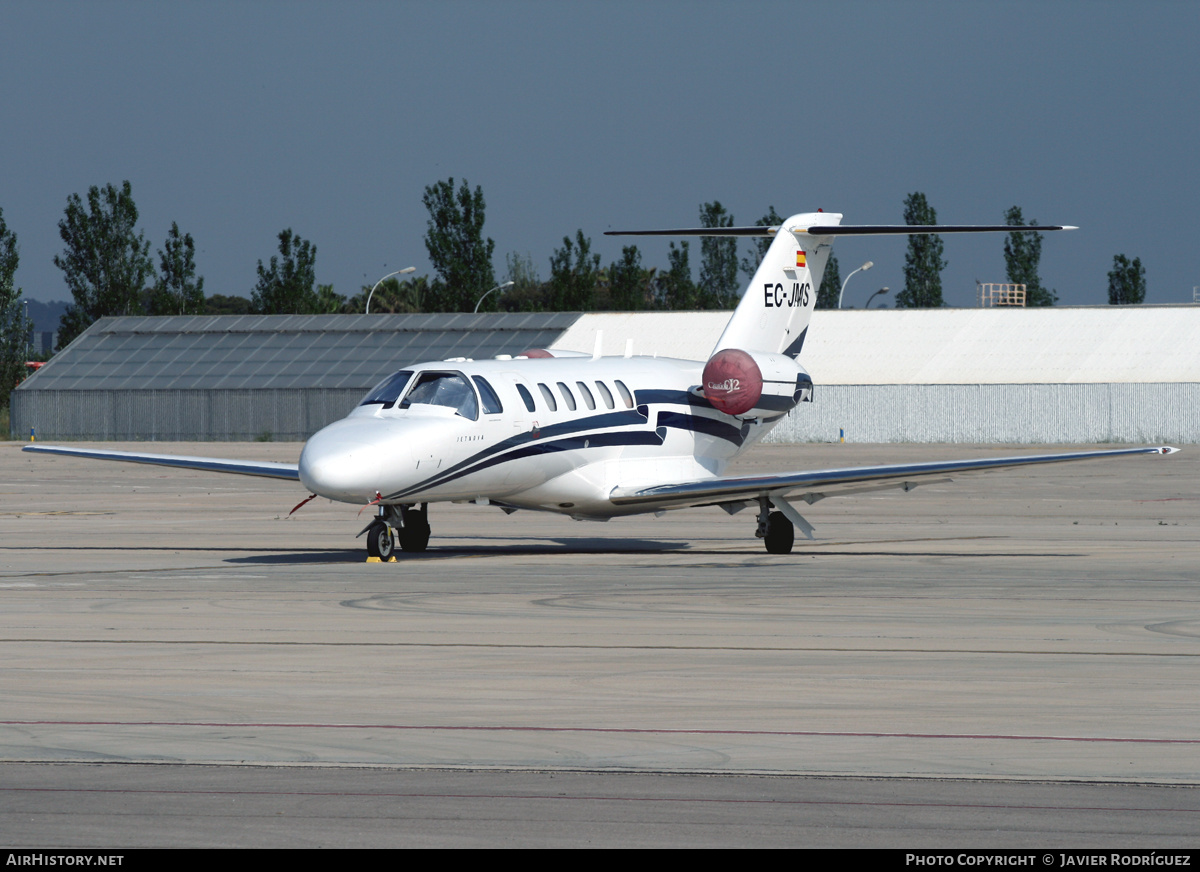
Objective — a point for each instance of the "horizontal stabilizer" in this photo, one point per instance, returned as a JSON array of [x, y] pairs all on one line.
[[917, 229], [261, 468], [848, 230]]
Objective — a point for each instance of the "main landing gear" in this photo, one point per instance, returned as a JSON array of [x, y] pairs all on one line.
[[409, 524], [778, 529], [780, 535]]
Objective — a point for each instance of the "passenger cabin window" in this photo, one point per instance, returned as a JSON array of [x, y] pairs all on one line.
[[491, 402], [588, 399], [548, 396], [605, 394], [625, 395], [525, 397], [568, 397], [450, 389], [386, 392]]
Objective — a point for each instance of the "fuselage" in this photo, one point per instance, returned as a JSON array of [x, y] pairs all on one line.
[[552, 434]]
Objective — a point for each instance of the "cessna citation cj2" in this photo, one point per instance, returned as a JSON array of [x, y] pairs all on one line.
[[596, 437]]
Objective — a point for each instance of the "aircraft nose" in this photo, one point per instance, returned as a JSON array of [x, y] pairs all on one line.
[[347, 460]]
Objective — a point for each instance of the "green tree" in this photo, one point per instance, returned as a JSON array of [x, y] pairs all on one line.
[[574, 273], [718, 259], [1126, 281], [288, 286], [1022, 255], [219, 304], [759, 245], [923, 264], [831, 284], [178, 290], [15, 327], [457, 249], [629, 284], [329, 301], [675, 288], [106, 262], [393, 296], [528, 293]]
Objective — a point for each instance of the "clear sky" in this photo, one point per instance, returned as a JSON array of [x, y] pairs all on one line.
[[238, 119]]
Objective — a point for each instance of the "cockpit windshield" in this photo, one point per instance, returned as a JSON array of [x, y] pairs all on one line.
[[449, 389], [387, 391]]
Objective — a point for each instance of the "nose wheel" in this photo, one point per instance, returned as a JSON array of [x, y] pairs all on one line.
[[379, 541]]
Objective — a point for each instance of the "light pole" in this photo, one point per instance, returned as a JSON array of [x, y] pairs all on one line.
[[865, 266], [874, 295], [503, 287], [399, 272]]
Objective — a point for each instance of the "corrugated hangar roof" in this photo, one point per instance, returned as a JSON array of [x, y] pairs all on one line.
[[281, 351], [1054, 345]]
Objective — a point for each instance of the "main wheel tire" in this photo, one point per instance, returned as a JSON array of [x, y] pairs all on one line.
[[781, 535], [414, 528], [379, 541], [414, 537]]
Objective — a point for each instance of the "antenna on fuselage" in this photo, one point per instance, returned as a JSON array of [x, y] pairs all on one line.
[[599, 343]]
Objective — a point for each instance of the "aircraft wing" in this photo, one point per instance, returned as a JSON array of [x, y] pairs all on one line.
[[816, 485], [262, 468]]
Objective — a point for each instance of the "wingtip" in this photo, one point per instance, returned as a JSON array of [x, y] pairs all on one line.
[[1168, 449]]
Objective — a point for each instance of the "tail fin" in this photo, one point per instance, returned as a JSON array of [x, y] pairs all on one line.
[[775, 310]]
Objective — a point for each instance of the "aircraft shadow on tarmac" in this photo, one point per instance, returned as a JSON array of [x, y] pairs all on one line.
[[505, 547], [564, 546], [554, 545]]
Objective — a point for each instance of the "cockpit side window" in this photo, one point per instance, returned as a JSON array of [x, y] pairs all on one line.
[[386, 392], [491, 402], [449, 389]]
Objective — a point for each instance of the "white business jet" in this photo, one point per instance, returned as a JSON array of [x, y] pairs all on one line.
[[597, 437]]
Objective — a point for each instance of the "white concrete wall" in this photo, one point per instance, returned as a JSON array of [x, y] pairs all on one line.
[[1036, 414], [1055, 375]]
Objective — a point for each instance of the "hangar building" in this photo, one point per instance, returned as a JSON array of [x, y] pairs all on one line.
[[1053, 375], [245, 377]]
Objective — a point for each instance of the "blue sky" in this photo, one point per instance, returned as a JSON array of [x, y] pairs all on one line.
[[239, 119]]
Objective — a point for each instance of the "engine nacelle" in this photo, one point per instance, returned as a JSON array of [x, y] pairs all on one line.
[[754, 384]]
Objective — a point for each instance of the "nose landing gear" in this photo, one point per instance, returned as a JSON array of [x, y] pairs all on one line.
[[409, 524], [379, 540]]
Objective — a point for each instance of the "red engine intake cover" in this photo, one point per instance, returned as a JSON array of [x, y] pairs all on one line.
[[732, 381]]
